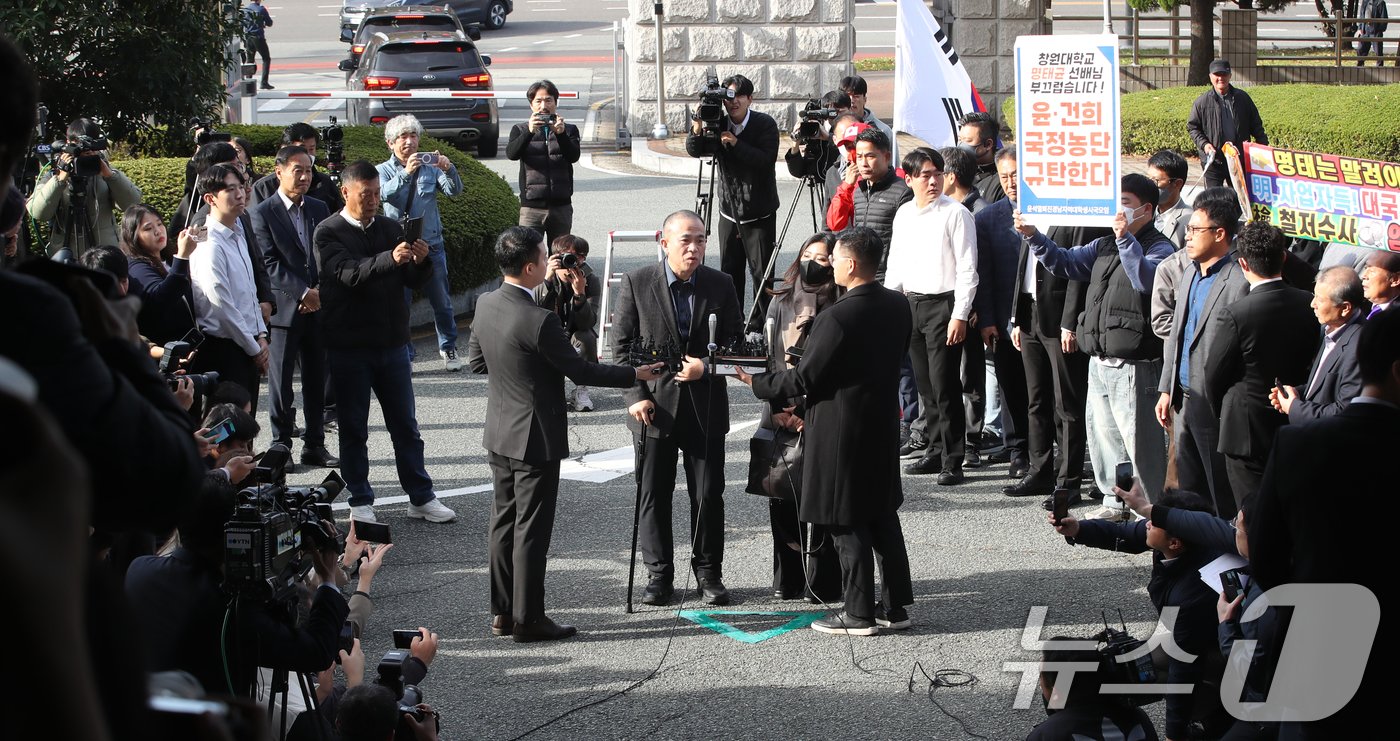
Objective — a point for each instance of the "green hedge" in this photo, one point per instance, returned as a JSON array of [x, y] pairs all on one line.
[[1357, 120], [471, 221]]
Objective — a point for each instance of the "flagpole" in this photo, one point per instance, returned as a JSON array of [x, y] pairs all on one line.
[[1107, 18]]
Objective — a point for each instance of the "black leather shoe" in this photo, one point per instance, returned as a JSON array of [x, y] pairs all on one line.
[[1074, 498], [712, 591], [951, 478], [1002, 455], [1028, 487], [844, 622], [320, 457], [1018, 469], [543, 629], [502, 625], [971, 458], [788, 594], [930, 463], [658, 592]]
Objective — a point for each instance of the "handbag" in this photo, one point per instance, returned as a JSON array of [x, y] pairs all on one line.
[[775, 464]]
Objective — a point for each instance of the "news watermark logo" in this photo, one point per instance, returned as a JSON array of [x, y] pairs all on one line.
[[1318, 670]]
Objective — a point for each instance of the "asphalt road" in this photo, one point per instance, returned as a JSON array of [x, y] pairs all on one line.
[[981, 561]]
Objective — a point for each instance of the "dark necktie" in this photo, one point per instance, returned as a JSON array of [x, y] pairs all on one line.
[[1374, 311], [680, 295]]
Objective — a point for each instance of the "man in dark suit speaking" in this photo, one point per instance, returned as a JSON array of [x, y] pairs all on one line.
[[848, 374], [284, 224], [527, 353], [685, 413]]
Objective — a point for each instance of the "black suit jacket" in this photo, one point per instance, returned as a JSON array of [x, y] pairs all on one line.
[[1267, 334], [527, 353], [1340, 381], [1058, 301], [1292, 542], [748, 185], [1229, 286], [290, 267], [645, 312], [849, 372], [362, 304]]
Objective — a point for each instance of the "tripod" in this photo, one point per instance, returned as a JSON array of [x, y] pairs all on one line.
[[704, 195], [280, 686], [77, 232], [816, 195]]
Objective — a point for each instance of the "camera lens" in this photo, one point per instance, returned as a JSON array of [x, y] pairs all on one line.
[[568, 260]]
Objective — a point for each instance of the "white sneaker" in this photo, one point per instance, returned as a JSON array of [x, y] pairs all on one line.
[[450, 359], [432, 511], [1112, 513], [363, 513], [581, 401]]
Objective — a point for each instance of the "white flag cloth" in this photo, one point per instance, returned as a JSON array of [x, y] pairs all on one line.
[[931, 87]]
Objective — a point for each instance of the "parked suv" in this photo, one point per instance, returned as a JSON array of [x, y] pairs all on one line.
[[489, 13], [423, 61], [400, 18]]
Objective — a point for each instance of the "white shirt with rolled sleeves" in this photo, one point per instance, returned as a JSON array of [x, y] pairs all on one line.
[[225, 297], [934, 250]]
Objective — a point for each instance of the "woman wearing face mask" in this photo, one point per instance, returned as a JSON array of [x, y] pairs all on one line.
[[166, 294], [808, 288]]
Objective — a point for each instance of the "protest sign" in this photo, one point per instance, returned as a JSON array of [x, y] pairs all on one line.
[[1326, 197], [1067, 141]]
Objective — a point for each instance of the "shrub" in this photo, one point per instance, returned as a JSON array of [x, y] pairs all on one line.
[[471, 221], [1355, 120]]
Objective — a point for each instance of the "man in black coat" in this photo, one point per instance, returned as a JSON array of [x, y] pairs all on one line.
[[1351, 451], [283, 226], [364, 266], [547, 148], [526, 430], [1335, 378], [322, 188], [850, 474], [746, 153], [687, 413], [1261, 341], [1044, 318], [1222, 114]]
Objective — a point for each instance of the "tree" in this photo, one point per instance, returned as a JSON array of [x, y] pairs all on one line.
[[137, 66], [1203, 27]]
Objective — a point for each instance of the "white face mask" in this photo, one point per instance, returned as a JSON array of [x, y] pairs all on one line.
[[1131, 214]]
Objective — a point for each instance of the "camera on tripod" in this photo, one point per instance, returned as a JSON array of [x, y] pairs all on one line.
[[711, 110], [273, 527], [78, 165], [334, 137], [812, 117], [410, 695], [205, 132], [173, 356]]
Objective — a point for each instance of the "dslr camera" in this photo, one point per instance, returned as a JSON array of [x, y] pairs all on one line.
[[79, 165], [205, 132], [410, 695], [175, 354], [272, 528], [334, 137], [568, 260], [711, 111]]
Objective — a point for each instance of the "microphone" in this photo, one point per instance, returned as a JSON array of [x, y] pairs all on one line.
[[770, 334], [714, 326]]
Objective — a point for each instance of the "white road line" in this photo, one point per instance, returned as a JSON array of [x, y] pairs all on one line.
[[273, 106], [573, 36], [327, 15], [544, 41], [547, 10], [328, 105], [510, 48]]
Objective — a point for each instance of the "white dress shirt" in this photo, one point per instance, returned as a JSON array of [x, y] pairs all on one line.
[[1329, 343], [934, 250], [225, 296]]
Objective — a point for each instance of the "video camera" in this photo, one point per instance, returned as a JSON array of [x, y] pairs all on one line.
[[1113, 644], [173, 357], [711, 109], [410, 696], [812, 116], [205, 132], [273, 526], [78, 165], [334, 137]]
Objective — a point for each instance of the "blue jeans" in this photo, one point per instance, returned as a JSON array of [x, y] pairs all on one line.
[[388, 374], [1123, 425], [441, 298]]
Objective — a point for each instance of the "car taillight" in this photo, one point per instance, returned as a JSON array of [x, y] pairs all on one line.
[[481, 117], [379, 119], [357, 49], [481, 80], [381, 83]]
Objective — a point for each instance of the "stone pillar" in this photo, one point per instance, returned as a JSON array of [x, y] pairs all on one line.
[[1239, 43], [985, 40], [793, 50]]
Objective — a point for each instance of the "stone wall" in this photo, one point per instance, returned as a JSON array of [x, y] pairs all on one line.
[[984, 36], [793, 50]]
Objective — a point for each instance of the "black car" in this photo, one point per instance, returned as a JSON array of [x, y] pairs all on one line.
[[489, 13], [407, 18], [422, 61]]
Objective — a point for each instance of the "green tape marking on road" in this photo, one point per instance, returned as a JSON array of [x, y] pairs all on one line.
[[712, 619]]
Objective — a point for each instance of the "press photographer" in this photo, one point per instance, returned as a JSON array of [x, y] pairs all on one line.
[[815, 151], [547, 147], [744, 144], [81, 191]]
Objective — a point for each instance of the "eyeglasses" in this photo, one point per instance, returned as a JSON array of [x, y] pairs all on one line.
[[1193, 230]]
